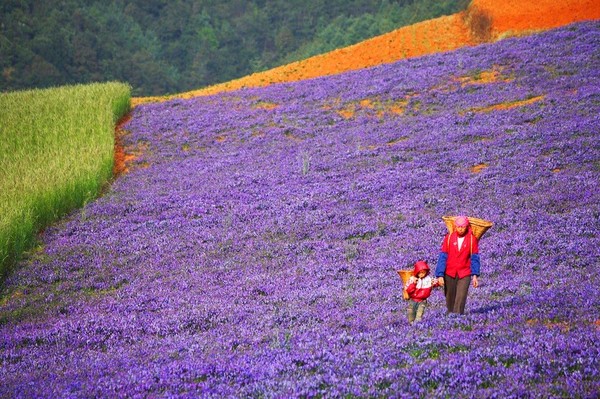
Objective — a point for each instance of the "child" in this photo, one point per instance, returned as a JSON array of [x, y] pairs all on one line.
[[419, 288]]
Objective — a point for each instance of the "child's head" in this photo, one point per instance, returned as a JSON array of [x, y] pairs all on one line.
[[421, 269]]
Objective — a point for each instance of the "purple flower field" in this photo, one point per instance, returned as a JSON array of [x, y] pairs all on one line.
[[252, 250]]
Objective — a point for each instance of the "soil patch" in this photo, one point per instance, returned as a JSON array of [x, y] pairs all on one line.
[[122, 159], [521, 17]]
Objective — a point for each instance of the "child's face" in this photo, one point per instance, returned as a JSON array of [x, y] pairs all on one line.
[[422, 274]]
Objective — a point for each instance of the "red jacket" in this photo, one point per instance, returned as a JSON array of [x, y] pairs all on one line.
[[420, 289], [458, 262]]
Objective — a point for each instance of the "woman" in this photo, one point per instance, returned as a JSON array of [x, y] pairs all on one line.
[[458, 265]]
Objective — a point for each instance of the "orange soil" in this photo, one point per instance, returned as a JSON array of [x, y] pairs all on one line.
[[378, 108], [522, 16], [484, 77], [507, 105], [478, 168], [565, 326], [122, 159]]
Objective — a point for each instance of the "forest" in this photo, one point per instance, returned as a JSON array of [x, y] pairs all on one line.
[[162, 47]]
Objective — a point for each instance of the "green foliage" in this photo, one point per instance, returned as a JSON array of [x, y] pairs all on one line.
[[56, 152], [163, 47]]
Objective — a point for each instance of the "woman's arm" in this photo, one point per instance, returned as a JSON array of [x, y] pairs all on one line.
[[440, 268]]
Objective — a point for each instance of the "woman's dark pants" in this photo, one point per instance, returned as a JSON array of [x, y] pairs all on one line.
[[456, 290]]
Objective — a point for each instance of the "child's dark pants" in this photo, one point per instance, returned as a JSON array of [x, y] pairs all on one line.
[[456, 290], [415, 310]]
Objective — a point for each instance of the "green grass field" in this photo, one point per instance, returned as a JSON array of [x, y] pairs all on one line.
[[56, 152]]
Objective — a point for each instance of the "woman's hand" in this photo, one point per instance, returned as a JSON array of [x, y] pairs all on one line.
[[441, 281], [475, 282]]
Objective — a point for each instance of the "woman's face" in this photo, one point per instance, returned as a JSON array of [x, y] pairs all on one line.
[[461, 230]]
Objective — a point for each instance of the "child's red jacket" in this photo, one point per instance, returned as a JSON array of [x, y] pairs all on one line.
[[421, 289]]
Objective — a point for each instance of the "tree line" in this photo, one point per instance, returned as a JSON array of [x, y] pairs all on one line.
[[163, 47]]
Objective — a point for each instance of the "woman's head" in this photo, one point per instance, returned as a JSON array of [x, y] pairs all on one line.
[[461, 224]]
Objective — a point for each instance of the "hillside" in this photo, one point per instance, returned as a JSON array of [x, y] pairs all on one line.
[[252, 249], [483, 21]]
